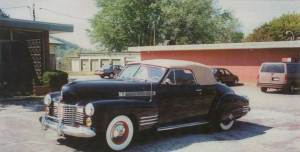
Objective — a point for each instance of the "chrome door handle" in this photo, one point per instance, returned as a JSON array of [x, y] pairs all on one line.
[[199, 90]]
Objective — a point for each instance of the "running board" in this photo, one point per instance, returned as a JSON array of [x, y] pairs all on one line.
[[182, 125]]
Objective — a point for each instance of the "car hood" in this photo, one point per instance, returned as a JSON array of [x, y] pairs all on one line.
[[101, 89]]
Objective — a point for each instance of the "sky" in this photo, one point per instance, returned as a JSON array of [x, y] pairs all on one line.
[[251, 13]]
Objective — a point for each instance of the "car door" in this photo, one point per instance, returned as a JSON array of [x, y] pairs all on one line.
[[117, 70], [223, 75], [229, 76], [180, 99]]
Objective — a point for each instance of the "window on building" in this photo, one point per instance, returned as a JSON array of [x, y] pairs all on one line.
[[5, 34]]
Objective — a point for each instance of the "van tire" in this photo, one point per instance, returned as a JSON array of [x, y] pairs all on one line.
[[263, 89], [290, 89]]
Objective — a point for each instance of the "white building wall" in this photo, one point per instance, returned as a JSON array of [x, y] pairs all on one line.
[[110, 57], [75, 65]]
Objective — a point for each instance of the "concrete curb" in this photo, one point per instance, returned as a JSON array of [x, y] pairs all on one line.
[[21, 98]]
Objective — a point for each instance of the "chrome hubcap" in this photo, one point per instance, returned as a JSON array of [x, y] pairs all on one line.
[[119, 132]]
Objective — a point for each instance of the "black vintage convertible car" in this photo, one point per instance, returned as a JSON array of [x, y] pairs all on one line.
[[153, 94]]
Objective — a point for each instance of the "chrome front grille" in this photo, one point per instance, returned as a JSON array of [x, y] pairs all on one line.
[[70, 114]]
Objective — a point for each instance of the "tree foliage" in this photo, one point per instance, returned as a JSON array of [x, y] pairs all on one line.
[[120, 23], [3, 15], [276, 29]]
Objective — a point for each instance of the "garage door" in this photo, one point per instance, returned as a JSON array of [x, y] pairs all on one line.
[[94, 64], [104, 62], [129, 59], [85, 65], [116, 61]]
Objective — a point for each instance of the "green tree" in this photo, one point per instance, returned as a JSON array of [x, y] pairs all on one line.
[[120, 23], [276, 29], [3, 15]]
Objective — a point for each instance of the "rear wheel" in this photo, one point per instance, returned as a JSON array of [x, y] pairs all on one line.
[[235, 82], [223, 125], [290, 89], [119, 133], [226, 125], [263, 89]]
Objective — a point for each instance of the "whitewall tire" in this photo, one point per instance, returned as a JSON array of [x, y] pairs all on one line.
[[226, 125], [119, 133]]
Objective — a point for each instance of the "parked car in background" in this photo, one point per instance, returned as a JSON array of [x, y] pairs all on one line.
[[225, 76], [148, 95], [279, 75], [109, 70]]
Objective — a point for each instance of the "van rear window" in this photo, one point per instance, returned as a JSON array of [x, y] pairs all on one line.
[[273, 68]]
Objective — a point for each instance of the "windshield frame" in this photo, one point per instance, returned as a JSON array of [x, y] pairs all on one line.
[[143, 80]]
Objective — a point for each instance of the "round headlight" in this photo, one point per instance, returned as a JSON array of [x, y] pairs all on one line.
[[47, 100], [89, 109]]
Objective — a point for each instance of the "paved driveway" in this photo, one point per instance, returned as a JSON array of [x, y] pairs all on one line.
[[273, 125]]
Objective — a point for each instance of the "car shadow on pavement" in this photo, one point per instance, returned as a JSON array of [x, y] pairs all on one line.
[[172, 140], [33, 104], [237, 85], [274, 91]]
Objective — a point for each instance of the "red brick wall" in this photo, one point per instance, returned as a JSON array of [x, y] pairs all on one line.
[[244, 63]]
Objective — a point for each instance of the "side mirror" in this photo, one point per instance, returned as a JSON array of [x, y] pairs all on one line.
[[167, 81]]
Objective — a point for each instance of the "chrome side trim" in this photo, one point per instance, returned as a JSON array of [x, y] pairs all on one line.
[[182, 125], [137, 94], [148, 123], [147, 120], [146, 117]]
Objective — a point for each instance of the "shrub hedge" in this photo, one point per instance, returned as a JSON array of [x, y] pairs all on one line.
[[55, 78], [16, 79]]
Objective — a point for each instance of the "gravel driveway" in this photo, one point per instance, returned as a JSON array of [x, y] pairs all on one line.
[[272, 125]]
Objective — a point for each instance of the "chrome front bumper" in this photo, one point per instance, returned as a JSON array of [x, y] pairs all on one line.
[[61, 129]]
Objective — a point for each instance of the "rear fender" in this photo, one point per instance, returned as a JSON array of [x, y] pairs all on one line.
[[106, 110], [230, 104]]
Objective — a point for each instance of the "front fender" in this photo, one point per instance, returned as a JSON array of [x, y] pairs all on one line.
[[106, 110]]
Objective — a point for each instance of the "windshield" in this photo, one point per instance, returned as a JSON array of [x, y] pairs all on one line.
[[128, 72], [214, 70], [143, 73], [106, 67]]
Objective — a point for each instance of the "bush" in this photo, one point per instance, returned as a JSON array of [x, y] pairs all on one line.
[[55, 78], [4, 91], [15, 79]]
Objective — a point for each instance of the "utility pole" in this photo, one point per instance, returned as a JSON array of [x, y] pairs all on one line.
[[154, 33], [33, 12], [292, 38]]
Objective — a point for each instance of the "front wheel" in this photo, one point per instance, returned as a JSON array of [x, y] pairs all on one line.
[[119, 133], [111, 75]]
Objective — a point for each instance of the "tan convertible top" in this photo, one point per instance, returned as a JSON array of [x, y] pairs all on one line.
[[203, 73]]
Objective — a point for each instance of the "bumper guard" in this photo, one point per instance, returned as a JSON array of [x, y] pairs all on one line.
[[61, 129]]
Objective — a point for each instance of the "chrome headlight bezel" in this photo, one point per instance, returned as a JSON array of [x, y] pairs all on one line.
[[89, 109], [47, 100]]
